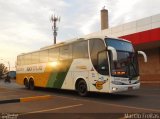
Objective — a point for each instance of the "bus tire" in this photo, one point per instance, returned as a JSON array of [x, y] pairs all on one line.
[[26, 84], [31, 84], [82, 88]]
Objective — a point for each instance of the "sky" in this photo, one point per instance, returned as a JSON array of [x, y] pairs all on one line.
[[25, 25]]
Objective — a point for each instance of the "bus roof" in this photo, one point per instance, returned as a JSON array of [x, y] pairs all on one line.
[[72, 41], [76, 40], [63, 43]]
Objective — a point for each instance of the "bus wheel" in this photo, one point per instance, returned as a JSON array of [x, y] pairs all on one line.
[[31, 85], [82, 88], [26, 84]]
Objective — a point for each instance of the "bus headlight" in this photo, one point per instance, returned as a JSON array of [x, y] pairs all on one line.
[[114, 89]]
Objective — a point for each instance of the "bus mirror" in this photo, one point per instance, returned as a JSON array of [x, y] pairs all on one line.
[[114, 52], [144, 55]]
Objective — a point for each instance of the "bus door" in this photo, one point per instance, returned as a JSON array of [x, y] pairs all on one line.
[[100, 77]]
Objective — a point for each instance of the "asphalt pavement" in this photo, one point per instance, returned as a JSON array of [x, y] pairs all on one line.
[[68, 104]]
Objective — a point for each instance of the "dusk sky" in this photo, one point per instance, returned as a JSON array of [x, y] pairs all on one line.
[[25, 24]]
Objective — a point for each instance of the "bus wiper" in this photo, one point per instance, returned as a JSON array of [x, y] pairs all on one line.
[[129, 70]]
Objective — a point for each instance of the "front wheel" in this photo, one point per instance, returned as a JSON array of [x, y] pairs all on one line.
[[82, 88]]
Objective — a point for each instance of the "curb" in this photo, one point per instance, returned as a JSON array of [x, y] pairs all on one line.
[[35, 98], [26, 99], [9, 101]]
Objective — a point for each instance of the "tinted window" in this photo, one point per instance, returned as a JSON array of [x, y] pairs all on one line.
[[80, 49], [119, 45], [27, 59], [96, 45], [43, 56], [53, 54], [35, 58], [103, 67], [65, 52], [22, 59], [19, 60]]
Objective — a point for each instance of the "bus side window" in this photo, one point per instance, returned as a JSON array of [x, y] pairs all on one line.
[[103, 67], [19, 60], [80, 49], [22, 59], [66, 52], [27, 59], [35, 58], [53, 54], [96, 45], [43, 56]]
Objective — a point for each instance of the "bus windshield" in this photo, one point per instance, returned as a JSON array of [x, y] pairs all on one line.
[[120, 45], [126, 65]]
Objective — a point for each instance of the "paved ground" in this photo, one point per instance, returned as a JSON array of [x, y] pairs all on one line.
[[69, 104]]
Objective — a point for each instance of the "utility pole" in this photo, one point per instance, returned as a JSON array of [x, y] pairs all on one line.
[[54, 20]]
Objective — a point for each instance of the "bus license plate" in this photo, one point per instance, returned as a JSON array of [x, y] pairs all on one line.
[[130, 88]]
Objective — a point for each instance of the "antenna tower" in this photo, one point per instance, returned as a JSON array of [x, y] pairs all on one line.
[[54, 20]]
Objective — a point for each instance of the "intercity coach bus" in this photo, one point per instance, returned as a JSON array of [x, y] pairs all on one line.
[[105, 65]]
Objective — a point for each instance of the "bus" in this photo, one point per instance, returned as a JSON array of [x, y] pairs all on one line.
[[106, 65]]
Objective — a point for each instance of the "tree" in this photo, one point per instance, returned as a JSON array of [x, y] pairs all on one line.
[[3, 71]]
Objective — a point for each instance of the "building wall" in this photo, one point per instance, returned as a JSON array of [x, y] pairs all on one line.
[[150, 71], [152, 22]]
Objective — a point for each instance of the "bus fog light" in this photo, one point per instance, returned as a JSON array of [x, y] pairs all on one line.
[[114, 89]]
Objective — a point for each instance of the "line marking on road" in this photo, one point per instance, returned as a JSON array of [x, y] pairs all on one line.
[[53, 109], [116, 105]]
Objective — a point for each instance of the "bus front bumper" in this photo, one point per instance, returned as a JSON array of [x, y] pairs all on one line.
[[119, 88]]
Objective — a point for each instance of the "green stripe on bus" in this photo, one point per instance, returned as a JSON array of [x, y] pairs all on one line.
[[51, 80], [57, 77]]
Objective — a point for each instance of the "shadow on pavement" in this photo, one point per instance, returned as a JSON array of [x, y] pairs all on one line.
[[94, 95]]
